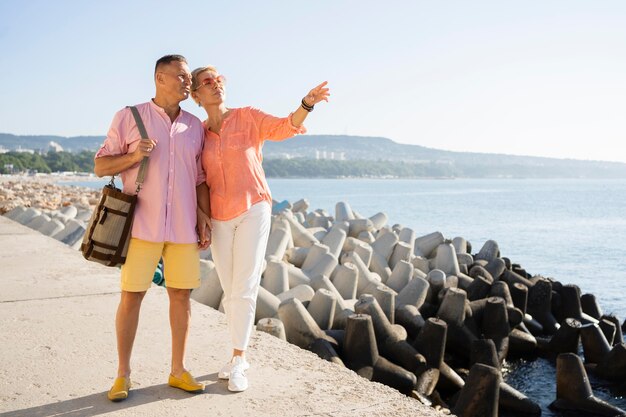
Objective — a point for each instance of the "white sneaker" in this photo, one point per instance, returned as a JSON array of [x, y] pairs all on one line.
[[238, 381], [224, 373]]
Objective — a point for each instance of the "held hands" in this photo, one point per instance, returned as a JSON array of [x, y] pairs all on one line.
[[204, 229], [317, 94], [144, 149]]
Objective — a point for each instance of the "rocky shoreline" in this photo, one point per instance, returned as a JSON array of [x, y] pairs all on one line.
[[426, 315], [42, 192]]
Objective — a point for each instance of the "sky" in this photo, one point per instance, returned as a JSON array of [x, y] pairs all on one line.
[[540, 78]]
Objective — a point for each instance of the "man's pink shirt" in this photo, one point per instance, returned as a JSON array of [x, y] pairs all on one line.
[[232, 160], [166, 204]]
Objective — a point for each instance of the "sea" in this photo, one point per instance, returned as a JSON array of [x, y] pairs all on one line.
[[571, 230]]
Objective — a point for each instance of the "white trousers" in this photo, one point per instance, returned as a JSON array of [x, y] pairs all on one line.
[[238, 248]]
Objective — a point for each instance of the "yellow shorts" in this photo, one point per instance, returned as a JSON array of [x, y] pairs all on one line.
[[181, 265]]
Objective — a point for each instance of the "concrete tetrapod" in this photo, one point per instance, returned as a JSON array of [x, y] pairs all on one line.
[[296, 256], [343, 212], [519, 295], [414, 293], [452, 308], [495, 325], [315, 219], [272, 326], [345, 278], [382, 249], [511, 277], [325, 350], [367, 281], [484, 352], [51, 228], [379, 220], [407, 235], [409, 317], [276, 277], [300, 205], [401, 252], [431, 341], [360, 354], [460, 244], [73, 232], [15, 212], [595, 345], [357, 226], [322, 308], [210, 290], [301, 236], [608, 329], [489, 251], [437, 281], [300, 328], [36, 223], [277, 244], [446, 260], [590, 306], [426, 245], [421, 263], [362, 249], [573, 391], [521, 343], [303, 292], [69, 211], [27, 215], [619, 335], [567, 338], [479, 288], [386, 298], [571, 305], [266, 305], [540, 305], [479, 397], [392, 346], [477, 269], [384, 244], [334, 240], [613, 366]]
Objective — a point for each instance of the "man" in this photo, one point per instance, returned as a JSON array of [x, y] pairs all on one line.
[[166, 214]]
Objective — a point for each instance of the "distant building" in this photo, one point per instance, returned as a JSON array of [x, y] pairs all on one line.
[[22, 150], [54, 147], [341, 156]]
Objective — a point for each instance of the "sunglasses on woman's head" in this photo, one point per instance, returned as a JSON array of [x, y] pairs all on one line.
[[211, 81]]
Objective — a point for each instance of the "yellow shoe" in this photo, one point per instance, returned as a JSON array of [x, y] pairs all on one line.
[[119, 390], [186, 382]]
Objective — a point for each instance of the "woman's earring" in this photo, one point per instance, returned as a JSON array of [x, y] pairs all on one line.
[[199, 104]]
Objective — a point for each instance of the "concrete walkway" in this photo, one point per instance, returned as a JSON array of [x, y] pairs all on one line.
[[58, 353]]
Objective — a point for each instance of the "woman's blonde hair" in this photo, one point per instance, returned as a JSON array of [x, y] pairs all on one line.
[[198, 71]]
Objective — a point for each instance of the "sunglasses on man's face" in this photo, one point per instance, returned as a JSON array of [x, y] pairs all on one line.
[[211, 81]]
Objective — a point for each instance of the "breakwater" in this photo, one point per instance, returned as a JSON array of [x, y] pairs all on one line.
[[379, 290]]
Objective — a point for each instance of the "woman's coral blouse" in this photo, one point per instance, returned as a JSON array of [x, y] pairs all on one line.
[[232, 160]]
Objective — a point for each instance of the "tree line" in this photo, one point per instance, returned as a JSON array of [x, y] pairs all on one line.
[[18, 162]]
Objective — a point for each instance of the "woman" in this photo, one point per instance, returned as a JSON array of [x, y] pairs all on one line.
[[240, 200]]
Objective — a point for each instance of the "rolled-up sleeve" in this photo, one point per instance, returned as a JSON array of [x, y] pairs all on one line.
[[275, 128], [201, 177], [114, 143]]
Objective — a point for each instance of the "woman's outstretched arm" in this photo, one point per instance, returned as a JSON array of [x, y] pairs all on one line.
[[317, 94]]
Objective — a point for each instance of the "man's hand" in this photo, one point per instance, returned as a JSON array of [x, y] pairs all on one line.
[[204, 229], [144, 149]]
